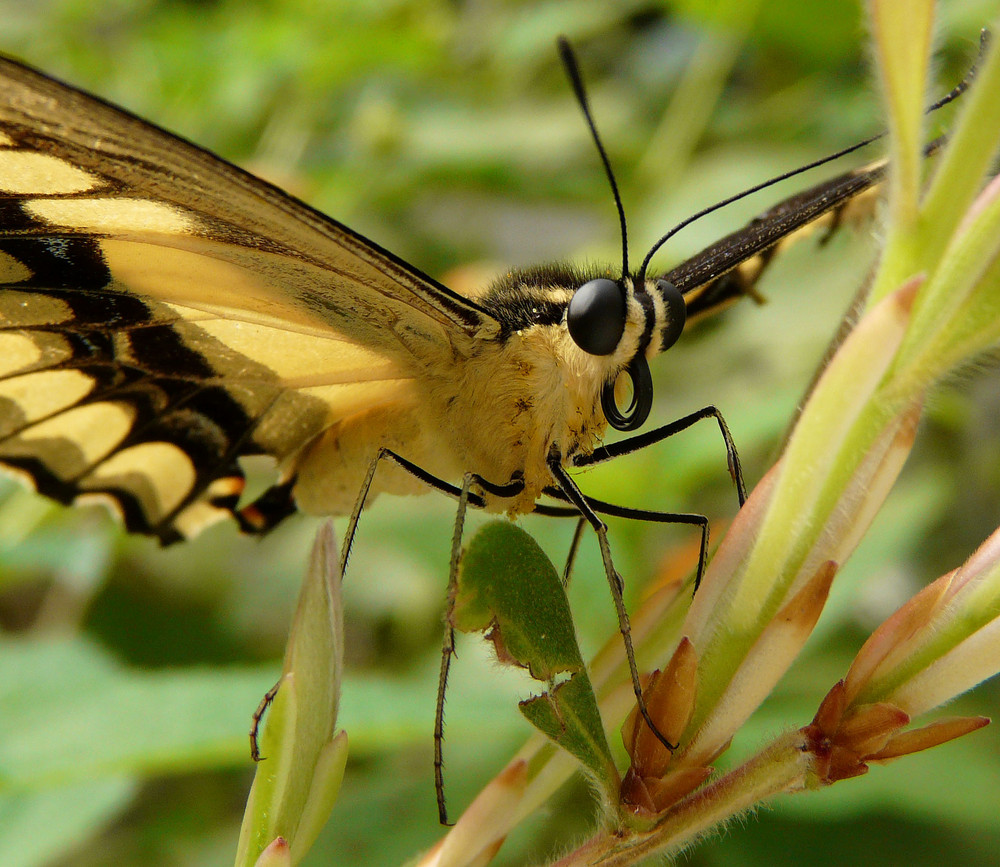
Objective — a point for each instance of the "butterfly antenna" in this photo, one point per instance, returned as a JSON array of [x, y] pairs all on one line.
[[957, 91], [576, 80]]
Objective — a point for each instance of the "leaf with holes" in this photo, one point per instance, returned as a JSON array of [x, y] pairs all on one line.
[[509, 588]]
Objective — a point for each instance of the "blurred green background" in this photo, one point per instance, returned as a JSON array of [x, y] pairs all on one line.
[[446, 131]]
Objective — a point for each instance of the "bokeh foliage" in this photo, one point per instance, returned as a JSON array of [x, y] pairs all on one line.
[[446, 132]]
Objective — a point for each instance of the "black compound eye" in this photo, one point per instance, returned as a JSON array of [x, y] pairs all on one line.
[[596, 316], [676, 313]]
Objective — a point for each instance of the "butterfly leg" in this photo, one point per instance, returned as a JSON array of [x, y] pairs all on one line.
[[448, 646], [576, 497], [574, 546], [641, 441], [422, 475], [465, 498], [631, 514], [257, 718]]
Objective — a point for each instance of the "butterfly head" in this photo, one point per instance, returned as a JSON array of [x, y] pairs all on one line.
[[596, 319], [597, 331]]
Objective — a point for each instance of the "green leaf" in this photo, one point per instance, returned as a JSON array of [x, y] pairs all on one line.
[[508, 586], [567, 714]]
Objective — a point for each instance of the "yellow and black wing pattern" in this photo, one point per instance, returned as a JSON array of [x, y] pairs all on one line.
[[163, 314]]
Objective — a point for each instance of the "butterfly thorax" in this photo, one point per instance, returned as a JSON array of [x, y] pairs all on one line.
[[496, 407]]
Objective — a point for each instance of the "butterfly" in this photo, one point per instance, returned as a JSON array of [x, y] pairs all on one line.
[[164, 315]]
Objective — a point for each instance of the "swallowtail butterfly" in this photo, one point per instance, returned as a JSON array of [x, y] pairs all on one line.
[[164, 314]]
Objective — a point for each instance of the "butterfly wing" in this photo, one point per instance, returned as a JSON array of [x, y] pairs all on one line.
[[163, 313], [730, 268]]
